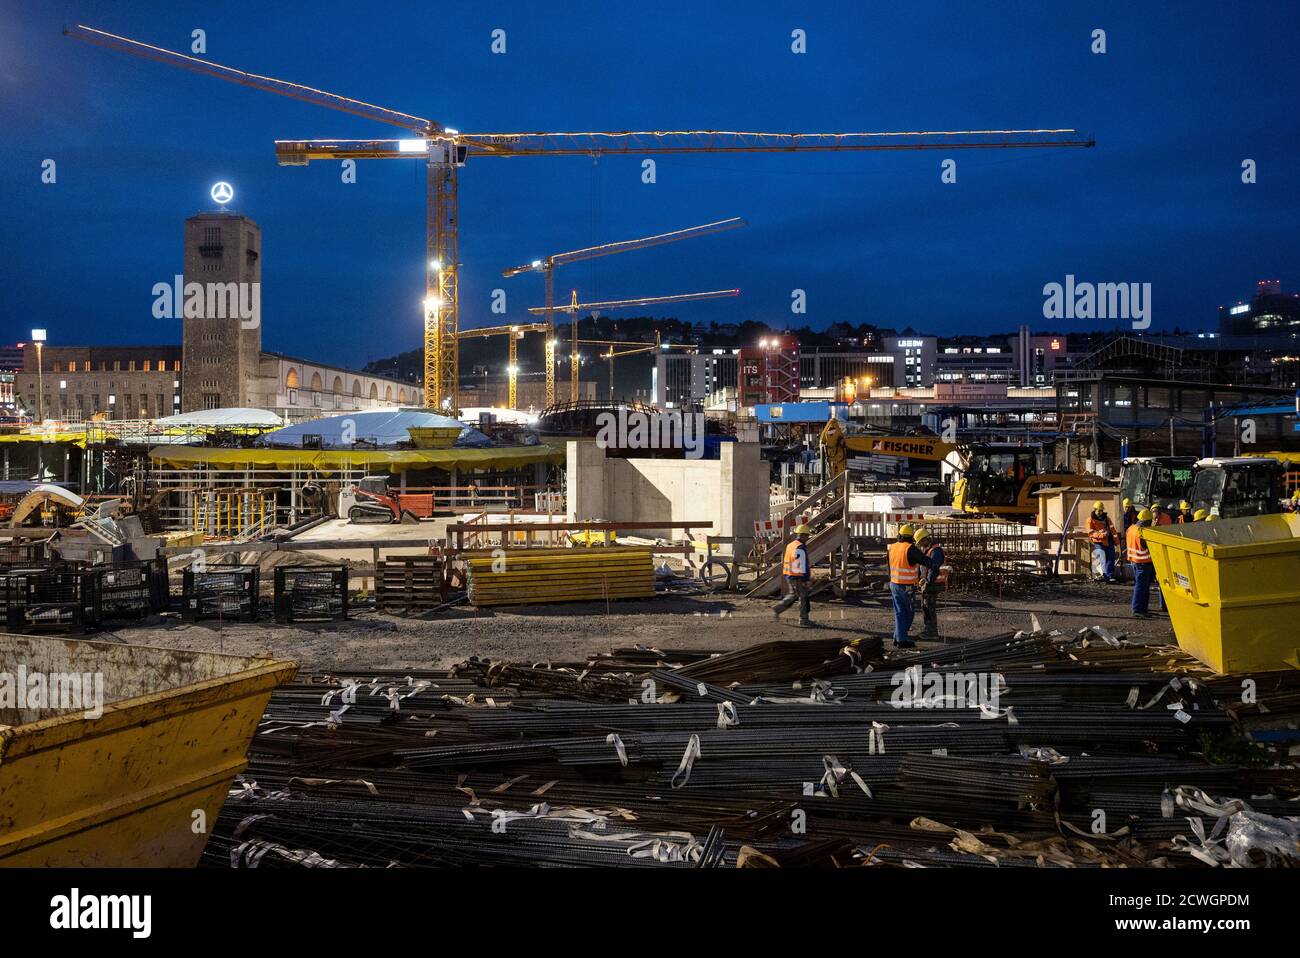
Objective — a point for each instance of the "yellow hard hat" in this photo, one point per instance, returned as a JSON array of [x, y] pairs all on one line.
[[1099, 506], [1144, 515], [1127, 503], [1184, 505], [1200, 514], [801, 530], [1296, 495], [920, 534], [906, 530]]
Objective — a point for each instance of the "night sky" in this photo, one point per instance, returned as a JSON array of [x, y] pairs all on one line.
[[1184, 93]]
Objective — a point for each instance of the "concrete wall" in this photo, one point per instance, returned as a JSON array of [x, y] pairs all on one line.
[[732, 491]]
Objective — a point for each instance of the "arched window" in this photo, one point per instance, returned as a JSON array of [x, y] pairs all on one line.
[[291, 379], [337, 388], [388, 393], [401, 396], [356, 388], [316, 384], [374, 391]]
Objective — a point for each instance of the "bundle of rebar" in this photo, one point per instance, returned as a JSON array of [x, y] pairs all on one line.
[[1082, 754]]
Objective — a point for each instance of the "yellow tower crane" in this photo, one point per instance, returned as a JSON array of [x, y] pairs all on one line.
[[515, 332], [574, 308], [546, 266], [445, 150]]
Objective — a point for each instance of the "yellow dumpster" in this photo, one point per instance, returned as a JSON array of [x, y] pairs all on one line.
[[1232, 588], [117, 755]]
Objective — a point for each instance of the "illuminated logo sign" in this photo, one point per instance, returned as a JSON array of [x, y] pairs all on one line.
[[1238, 310], [222, 193], [910, 343], [775, 412], [1056, 344]]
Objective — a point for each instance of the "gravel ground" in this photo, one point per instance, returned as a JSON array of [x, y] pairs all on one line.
[[575, 631]]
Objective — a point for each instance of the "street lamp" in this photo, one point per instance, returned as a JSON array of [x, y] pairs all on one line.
[[38, 337]]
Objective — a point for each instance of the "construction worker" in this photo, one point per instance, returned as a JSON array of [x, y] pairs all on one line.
[[1184, 513], [1200, 515], [905, 562], [1130, 514], [1144, 573], [1104, 539], [798, 575], [1295, 501], [934, 579], [1165, 516]]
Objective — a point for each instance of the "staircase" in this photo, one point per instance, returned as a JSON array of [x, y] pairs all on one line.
[[827, 509]]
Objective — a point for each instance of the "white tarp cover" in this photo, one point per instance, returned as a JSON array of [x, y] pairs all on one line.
[[231, 416], [386, 427]]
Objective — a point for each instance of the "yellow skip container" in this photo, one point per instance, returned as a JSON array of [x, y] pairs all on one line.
[[140, 784], [1232, 588]]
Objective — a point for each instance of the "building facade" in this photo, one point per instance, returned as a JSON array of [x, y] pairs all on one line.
[[220, 362]]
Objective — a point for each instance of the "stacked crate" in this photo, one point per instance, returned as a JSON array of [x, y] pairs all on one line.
[[226, 592], [126, 590], [310, 593], [59, 599]]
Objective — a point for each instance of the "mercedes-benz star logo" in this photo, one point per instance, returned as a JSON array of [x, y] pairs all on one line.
[[222, 193]]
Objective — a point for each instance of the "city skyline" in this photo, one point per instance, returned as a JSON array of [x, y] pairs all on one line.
[[874, 238]]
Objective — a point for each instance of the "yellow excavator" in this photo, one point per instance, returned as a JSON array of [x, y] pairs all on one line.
[[998, 479]]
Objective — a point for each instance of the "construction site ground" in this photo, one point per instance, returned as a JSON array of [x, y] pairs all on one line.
[[574, 631]]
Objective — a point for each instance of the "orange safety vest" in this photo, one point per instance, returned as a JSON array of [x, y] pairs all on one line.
[[1137, 551], [900, 572], [1164, 520], [795, 563], [939, 578], [1099, 531]]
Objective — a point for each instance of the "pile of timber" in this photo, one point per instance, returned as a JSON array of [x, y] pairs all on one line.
[[528, 576], [407, 584]]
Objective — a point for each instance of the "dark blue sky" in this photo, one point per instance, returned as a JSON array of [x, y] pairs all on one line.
[[1186, 91]]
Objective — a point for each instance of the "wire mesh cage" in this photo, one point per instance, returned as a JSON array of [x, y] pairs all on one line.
[[22, 553], [126, 590], [225, 592], [311, 593], [64, 600]]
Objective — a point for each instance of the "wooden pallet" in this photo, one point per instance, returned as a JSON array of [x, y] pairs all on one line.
[[407, 584]]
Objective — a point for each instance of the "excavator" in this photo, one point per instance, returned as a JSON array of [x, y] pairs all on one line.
[[998, 479]]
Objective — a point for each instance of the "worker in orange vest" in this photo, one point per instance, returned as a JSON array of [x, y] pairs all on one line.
[[1185, 513], [1130, 514], [798, 575], [1144, 572], [1165, 516], [934, 579], [905, 562], [1104, 539]]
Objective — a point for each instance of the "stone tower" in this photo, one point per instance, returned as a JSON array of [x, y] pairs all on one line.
[[221, 338]]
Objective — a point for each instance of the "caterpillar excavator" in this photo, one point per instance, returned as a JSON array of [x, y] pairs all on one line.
[[997, 479]]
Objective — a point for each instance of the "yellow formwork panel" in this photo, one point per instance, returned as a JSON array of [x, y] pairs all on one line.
[[525, 577], [1232, 588], [140, 784]]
